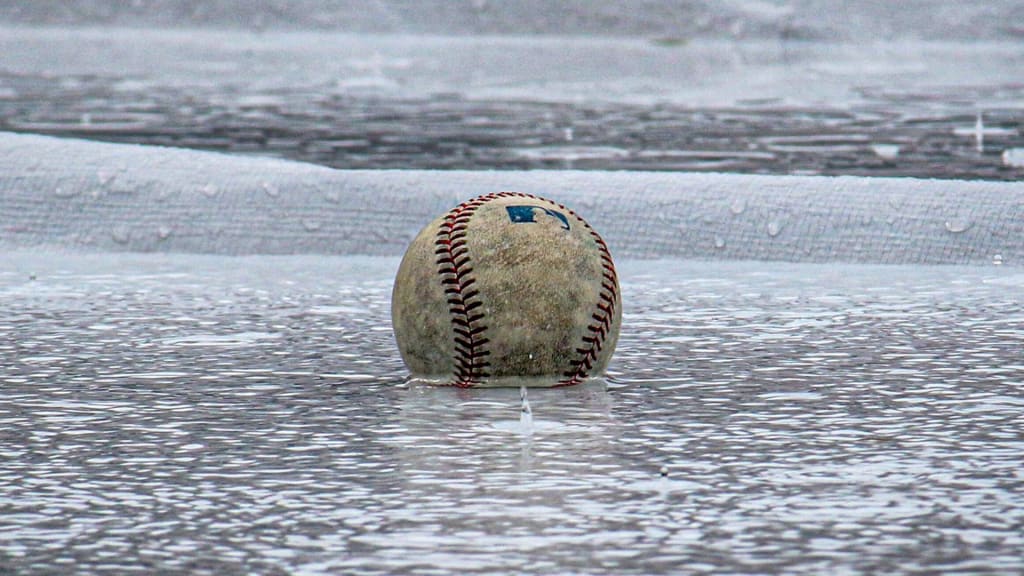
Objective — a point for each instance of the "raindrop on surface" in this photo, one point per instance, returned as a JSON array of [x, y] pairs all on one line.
[[65, 193], [104, 177], [1014, 157], [886, 151], [997, 260], [774, 228], [209, 190], [311, 225], [719, 242], [163, 232], [957, 225], [120, 235], [979, 133], [738, 206], [663, 471], [525, 412], [163, 194], [271, 190]]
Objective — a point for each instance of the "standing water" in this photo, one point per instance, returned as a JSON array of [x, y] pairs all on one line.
[[212, 415]]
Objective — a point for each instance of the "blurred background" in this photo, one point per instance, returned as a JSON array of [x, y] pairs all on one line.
[[919, 88], [684, 19]]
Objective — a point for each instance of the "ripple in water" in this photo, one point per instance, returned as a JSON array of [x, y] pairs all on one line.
[[250, 415]]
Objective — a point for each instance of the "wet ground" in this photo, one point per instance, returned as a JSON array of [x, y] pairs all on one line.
[[885, 137], [213, 415], [401, 102]]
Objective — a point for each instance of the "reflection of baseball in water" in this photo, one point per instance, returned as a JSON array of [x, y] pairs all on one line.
[[507, 289]]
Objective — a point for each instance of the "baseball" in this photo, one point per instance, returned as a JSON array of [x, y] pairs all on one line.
[[507, 289]]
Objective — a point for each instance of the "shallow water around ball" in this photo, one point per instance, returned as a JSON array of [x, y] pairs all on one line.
[[208, 415]]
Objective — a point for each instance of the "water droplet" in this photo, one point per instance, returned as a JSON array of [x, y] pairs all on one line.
[[311, 225], [997, 260], [738, 206], [774, 228], [719, 242], [120, 235], [60, 192], [979, 134], [525, 412], [164, 193], [163, 232], [105, 177], [663, 471], [1014, 157], [957, 225], [271, 190], [886, 151], [209, 190]]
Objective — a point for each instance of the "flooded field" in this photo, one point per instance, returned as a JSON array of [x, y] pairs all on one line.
[[189, 414], [920, 109], [215, 415]]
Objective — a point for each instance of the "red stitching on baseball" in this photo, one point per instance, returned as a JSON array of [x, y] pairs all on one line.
[[603, 316], [605, 307], [455, 268]]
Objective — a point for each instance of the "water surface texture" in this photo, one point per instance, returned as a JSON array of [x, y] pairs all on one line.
[[898, 108], [214, 415]]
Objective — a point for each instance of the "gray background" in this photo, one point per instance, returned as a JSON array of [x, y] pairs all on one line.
[[802, 19]]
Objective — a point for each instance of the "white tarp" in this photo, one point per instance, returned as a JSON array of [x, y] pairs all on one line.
[[71, 194]]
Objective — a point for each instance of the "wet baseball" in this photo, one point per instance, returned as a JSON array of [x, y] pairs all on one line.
[[507, 289]]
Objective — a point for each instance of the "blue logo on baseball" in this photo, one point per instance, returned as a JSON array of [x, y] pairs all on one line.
[[526, 214]]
